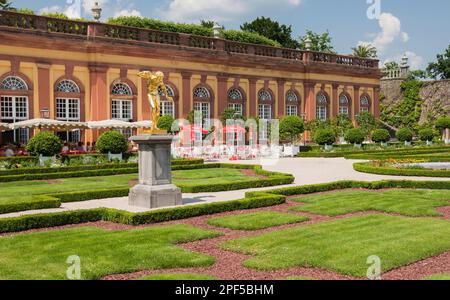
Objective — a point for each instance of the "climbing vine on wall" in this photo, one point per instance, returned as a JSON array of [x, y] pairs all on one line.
[[406, 113]]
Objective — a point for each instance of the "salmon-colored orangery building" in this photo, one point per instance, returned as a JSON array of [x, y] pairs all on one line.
[[82, 71]]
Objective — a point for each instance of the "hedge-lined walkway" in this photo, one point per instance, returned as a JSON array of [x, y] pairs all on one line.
[[305, 170]]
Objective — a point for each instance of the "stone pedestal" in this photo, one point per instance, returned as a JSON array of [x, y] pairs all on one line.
[[155, 188]]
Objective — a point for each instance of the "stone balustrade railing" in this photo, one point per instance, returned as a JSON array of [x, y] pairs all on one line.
[[94, 30]]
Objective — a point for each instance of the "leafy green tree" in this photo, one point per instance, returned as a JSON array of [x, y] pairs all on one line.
[[405, 135], [427, 134], [355, 136], [391, 65], [443, 123], [342, 124], [272, 30], [441, 68], [229, 114], [56, 15], [365, 51], [319, 42], [166, 122], [291, 128], [207, 23], [325, 137], [367, 122], [5, 5], [112, 142], [381, 136]]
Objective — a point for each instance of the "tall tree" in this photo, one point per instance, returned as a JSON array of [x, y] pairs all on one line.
[[320, 42], [207, 23], [365, 51], [5, 5], [272, 30], [441, 68], [391, 65]]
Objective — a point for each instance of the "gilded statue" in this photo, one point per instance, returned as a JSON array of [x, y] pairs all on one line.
[[155, 85]]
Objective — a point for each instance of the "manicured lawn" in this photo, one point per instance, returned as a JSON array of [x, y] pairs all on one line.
[[43, 255], [24, 190], [406, 202], [179, 276], [345, 245], [438, 277], [255, 221]]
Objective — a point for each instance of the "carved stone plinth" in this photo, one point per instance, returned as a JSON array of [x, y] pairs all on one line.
[[155, 188]]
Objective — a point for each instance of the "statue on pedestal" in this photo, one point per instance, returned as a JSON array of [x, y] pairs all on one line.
[[155, 84]]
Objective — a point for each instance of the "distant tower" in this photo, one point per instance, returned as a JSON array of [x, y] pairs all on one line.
[[404, 66]]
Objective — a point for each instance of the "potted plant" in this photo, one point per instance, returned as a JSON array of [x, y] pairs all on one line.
[[325, 137], [45, 145], [355, 136], [427, 135], [405, 135], [291, 128], [443, 125], [381, 136], [112, 143]]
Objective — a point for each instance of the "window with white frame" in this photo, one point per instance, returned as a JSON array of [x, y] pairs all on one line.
[[122, 110], [14, 108], [265, 111], [344, 104], [205, 109], [292, 110], [121, 89], [67, 86], [235, 95], [202, 93], [264, 95], [167, 108], [364, 104], [291, 96], [237, 107], [68, 109], [321, 106], [13, 83]]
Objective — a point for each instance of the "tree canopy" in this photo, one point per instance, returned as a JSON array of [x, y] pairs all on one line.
[[4, 5], [272, 30], [320, 42], [365, 51], [441, 68]]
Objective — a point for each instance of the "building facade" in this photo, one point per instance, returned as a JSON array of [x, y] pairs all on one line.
[[81, 71]]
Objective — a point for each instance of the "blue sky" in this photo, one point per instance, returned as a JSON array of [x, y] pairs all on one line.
[[418, 28]]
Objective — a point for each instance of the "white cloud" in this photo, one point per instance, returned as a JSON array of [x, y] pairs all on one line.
[[128, 13], [391, 30], [415, 61], [50, 9], [217, 10]]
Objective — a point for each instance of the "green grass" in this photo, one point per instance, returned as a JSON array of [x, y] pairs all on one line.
[[23, 191], [406, 202], [345, 245], [43, 255], [179, 276], [438, 277], [255, 221]]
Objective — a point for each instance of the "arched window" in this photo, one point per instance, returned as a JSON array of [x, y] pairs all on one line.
[[202, 93], [13, 83], [236, 101], [344, 104], [167, 107], [121, 89], [321, 106], [67, 86], [364, 104], [292, 103], [14, 107], [264, 96], [68, 101]]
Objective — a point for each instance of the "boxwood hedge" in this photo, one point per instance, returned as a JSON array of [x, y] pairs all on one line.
[[369, 168]]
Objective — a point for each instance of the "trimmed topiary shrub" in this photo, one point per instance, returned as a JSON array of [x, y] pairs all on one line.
[[248, 37], [112, 142], [405, 135], [381, 136], [291, 127], [44, 143], [325, 137], [426, 135], [165, 123], [443, 123], [355, 136]]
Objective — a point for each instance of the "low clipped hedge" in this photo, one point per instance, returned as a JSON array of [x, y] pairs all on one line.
[[369, 168], [252, 200], [41, 202]]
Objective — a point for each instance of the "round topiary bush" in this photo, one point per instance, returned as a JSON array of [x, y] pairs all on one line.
[[44, 143], [355, 136], [381, 136], [325, 137], [426, 135], [443, 123], [405, 135], [112, 142]]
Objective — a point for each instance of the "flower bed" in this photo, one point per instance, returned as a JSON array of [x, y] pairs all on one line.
[[398, 168]]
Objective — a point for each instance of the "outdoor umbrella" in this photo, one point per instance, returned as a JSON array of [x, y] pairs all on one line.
[[4, 127], [142, 124], [111, 124], [233, 129], [48, 124]]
